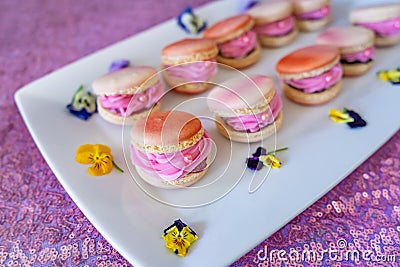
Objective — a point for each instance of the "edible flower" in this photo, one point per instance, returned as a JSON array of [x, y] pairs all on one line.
[[261, 158], [178, 237], [83, 104], [99, 156], [352, 118], [190, 23], [392, 76], [270, 160], [118, 64], [244, 5]]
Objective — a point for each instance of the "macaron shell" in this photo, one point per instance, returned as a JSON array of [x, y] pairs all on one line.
[[307, 59], [130, 80], [165, 128], [184, 181], [278, 41], [302, 6], [240, 93], [229, 28], [189, 50], [318, 98], [375, 13], [270, 11], [242, 63], [347, 37], [188, 46], [245, 137], [309, 25]]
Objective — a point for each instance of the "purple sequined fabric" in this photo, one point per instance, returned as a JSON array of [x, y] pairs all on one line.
[[41, 226]]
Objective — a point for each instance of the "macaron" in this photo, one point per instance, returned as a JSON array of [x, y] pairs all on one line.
[[356, 47], [383, 19], [128, 94], [189, 65], [311, 75], [274, 23], [246, 109], [312, 15], [170, 149], [237, 42]]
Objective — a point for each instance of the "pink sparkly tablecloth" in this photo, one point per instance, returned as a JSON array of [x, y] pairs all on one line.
[[41, 226]]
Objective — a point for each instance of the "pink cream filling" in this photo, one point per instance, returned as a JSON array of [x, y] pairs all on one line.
[[240, 46], [197, 71], [276, 28], [172, 166], [319, 82], [315, 14], [388, 27], [126, 105], [254, 122], [361, 56]]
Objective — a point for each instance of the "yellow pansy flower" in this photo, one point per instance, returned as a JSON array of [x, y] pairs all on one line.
[[99, 156], [270, 160], [178, 238]]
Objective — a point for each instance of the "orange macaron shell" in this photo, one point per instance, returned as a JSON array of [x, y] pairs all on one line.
[[229, 28], [165, 129], [307, 61]]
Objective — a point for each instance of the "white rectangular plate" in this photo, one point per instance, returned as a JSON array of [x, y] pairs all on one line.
[[125, 210]]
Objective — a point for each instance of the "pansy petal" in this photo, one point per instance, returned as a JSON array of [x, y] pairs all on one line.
[[100, 168], [118, 64], [99, 149], [85, 157], [271, 161], [260, 151], [244, 5], [188, 235], [357, 120], [340, 116]]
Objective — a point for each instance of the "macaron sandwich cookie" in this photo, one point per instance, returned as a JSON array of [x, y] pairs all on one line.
[[170, 149], [189, 65], [311, 75], [128, 94], [356, 47], [246, 109], [274, 23], [312, 15], [383, 19], [237, 42]]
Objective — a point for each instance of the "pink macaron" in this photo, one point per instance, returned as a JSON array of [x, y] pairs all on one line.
[[128, 94], [275, 24], [311, 75], [383, 19], [312, 15], [356, 46], [189, 65], [237, 42], [170, 149], [246, 109]]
